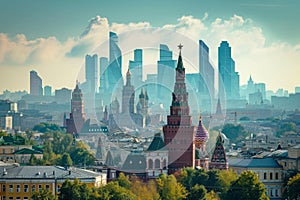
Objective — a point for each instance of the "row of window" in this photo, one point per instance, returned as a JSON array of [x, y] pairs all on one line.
[[271, 176], [17, 188]]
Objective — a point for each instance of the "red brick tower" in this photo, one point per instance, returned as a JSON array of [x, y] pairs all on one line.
[[77, 115], [179, 133]]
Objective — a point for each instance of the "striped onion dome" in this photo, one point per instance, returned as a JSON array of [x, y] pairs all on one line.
[[201, 134]]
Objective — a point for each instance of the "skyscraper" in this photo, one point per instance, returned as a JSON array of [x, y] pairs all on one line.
[[179, 133], [229, 79], [91, 73], [136, 67], [36, 84], [103, 74], [165, 72], [47, 90], [206, 70], [115, 64]]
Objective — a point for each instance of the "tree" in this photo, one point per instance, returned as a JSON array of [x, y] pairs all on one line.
[[144, 191], [46, 127], [170, 189], [66, 160], [113, 191], [234, 133], [43, 195], [225, 179], [74, 190], [198, 192], [294, 187], [123, 181], [247, 187]]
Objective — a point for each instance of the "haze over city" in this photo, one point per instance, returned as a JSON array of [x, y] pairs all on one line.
[[52, 38]]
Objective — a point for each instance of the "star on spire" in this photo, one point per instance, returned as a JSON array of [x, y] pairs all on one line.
[[180, 46]]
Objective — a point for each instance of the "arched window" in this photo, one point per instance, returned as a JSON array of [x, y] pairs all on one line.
[[157, 164], [150, 164]]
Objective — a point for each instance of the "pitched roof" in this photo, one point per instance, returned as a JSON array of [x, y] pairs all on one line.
[[42, 172], [135, 163], [253, 163], [28, 151], [157, 143]]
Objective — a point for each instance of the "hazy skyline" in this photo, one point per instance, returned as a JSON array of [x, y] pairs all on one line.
[[52, 36]]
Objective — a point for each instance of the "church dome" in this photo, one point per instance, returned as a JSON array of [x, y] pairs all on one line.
[[202, 134]]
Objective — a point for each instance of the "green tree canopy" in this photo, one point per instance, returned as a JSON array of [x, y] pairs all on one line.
[[170, 189], [247, 187], [46, 127], [294, 187], [43, 195]]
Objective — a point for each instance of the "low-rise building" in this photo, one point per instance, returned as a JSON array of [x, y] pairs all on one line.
[[268, 170], [20, 182]]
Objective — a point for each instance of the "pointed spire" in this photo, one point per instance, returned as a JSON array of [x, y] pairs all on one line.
[[179, 62], [128, 78], [219, 109]]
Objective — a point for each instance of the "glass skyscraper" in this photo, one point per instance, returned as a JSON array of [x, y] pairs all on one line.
[[229, 79]]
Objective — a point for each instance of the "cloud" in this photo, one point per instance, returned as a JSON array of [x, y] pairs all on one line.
[[247, 40]]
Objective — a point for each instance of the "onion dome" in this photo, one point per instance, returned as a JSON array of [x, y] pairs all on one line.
[[201, 134]]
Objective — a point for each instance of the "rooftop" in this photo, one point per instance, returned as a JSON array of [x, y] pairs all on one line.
[[253, 163]]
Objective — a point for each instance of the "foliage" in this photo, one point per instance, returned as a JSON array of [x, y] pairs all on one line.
[[170, 189], [293, 187], [144, 191], [197, 192], [234, 133], [43, 195], [225, 180], [247, 187], [123, 181], [285, 127], [74, 190], [113, 191], [66, 160], [46, 127]]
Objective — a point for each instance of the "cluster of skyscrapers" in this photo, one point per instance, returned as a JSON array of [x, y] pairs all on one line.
[[104, 83]]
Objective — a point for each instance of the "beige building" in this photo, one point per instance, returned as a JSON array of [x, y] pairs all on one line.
[[19, 182], [268, 170]]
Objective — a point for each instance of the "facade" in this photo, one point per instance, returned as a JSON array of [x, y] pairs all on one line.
[[165, 72], [36, 84], [91, 73], [47, 90], [128, 96], [218, 158], [115, 80], [229, 79], [207, 71], [179, 133], [20, 182], [136, 67], [156, 157], [77, 116], [268, 171], [63, 95]]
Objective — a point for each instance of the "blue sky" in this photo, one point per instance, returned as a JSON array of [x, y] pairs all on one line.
[[34, 34]]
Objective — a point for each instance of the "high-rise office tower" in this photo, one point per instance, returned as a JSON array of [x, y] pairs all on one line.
[[47, 90], [91, 73], [179, 134], [229, 79], [115, 64], [36, 84], [165, 72], [136, 67], [207, 71], [103, 74]]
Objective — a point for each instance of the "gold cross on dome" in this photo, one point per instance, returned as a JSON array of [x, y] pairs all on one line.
[[180, 46]]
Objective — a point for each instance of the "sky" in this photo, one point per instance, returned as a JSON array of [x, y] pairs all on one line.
[[52, 37]]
